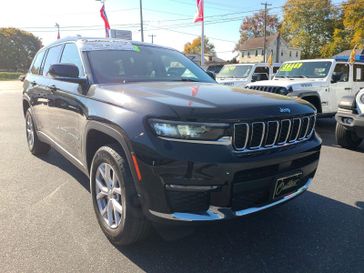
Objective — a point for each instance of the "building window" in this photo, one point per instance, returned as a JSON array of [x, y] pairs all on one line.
[[248, 54], [282, 53], [256, 52], [290, 53], [242, 54], [296, 54]]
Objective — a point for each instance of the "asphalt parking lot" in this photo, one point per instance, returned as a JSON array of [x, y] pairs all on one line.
[[47, 223]]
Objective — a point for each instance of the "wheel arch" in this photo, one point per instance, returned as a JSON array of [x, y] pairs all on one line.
[[26, 106], [312, 97], [98, 134]]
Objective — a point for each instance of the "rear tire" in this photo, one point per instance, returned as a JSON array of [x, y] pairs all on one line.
[[36, 147], [346, 138], [114, 197]]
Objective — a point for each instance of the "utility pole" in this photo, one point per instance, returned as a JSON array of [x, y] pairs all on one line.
[[265, 27], [141, 20], [152, 35], [58, 33]]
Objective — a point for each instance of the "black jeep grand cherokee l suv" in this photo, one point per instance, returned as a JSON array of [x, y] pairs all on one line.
[[160, 140]]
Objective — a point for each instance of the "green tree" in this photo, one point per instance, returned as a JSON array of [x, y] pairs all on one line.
[[349, 30], [17, 49], [195, 47], [253, 26], [309, 24]]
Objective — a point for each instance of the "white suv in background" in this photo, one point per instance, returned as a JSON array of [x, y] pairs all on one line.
[[242, 74], [350, 121], [322, 82]]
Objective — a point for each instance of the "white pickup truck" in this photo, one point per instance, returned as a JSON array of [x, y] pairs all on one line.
[[242, 74], [322, 82]]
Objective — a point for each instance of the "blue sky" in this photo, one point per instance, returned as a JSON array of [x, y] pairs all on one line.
[[170, 21]]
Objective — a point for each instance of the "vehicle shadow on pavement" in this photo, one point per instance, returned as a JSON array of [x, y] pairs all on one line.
[[325, 127], [310, 234], [56, 159]]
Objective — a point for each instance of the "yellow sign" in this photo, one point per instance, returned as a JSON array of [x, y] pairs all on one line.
[[290, 66]]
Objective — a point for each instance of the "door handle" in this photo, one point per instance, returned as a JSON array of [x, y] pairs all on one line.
[[347, 88]]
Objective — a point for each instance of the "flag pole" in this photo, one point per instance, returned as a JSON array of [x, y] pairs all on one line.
[[203, 35]]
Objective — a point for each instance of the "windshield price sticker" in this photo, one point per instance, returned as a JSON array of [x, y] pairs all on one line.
[[92, 45], [290, 66]]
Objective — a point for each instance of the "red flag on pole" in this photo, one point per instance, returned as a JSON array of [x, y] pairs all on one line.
[[106, 21], [199, 12]]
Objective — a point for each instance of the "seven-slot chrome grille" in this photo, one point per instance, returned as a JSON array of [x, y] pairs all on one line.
[[249, 136]]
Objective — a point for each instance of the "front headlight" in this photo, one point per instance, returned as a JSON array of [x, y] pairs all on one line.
[[189, 130]]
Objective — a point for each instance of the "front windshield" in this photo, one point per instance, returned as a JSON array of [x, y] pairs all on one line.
[[235, 71], [317, 69], [143, 64]]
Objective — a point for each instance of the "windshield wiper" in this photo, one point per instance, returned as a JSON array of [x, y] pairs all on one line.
[[300, 76], [188, 80]]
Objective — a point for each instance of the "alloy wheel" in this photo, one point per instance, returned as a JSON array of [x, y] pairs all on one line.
[[30, 131], [108, 195]]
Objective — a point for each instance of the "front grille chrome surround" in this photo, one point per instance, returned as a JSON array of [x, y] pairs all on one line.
[[268, 134]]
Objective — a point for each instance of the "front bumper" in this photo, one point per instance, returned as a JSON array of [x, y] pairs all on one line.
[[221, 213], [192, 182], [351, 121]]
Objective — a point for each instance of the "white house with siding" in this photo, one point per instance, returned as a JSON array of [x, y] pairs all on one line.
[[252, 51]]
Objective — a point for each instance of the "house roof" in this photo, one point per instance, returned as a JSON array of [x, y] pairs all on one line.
[[258, 42]]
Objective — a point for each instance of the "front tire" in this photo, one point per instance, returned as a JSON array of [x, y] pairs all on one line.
[[36, 147], [346, 138], [114, 197]]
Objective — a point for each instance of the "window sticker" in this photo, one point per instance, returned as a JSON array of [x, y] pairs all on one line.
[[136, 48], [92, 45], [290, 66]]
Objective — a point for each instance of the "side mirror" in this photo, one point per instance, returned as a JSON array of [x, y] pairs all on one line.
[[21, 77], [67, 73], [211, 74], [64, 71]]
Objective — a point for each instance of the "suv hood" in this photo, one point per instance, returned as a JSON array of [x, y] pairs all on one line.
[[199, 101]]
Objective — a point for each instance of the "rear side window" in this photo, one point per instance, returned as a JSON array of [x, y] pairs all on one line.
[[358, 73], [52, 58], [70, 55], [275, 69], [35, 69]]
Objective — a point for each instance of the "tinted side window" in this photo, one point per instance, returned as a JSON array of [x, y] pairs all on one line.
[[35, 69], [70, 55], [52, 58], [262, 70], [275, 69], [342, 72], [358, 73]]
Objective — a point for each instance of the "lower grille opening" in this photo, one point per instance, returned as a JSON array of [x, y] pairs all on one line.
[[188, 201], [254, 174], [250, 199]]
